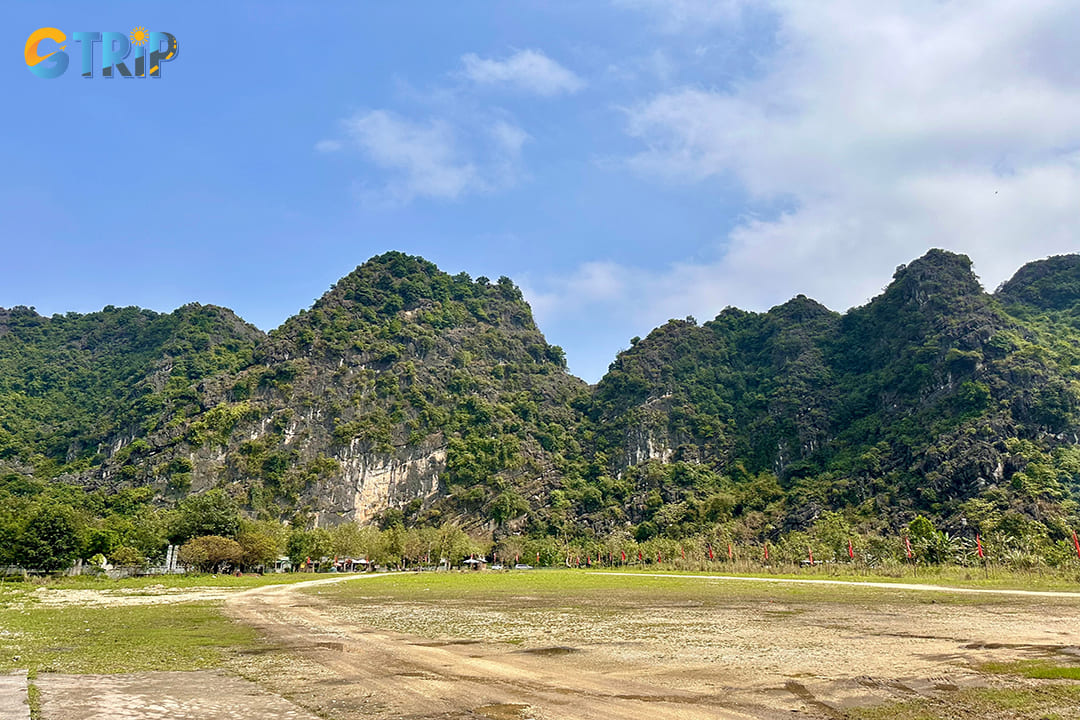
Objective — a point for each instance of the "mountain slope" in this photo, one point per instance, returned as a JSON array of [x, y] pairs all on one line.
[[402, 387], [406, 384], [72, 386], [931, 398], [408, 395]]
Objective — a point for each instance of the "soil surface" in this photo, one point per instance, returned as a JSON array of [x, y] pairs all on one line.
[[201, 695], [13, 705], [150, 595], [749, 659]]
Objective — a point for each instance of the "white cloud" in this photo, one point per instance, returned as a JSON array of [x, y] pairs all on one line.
[[433, 158], [528, 70], [510, 138], [886, 128], [422, 158], [882, 130]]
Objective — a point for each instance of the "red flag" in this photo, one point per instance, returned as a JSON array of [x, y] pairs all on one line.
[[850, 550], [1077, 544], [907, 544], [810, 552], [640, 557], [624, 556], [766, 551], [978, 544]]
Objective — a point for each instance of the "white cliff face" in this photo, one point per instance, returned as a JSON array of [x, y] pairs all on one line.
[[377, 482], [641, 447]]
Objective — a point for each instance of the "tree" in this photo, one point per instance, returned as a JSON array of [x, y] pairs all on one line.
[[210, 553], [509, 505], [50, 540], [304, 544], [257, 548], [126, 556], [454, 544], [209, 513]]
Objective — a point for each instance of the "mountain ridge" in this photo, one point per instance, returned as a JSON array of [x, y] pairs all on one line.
[[406, 392]]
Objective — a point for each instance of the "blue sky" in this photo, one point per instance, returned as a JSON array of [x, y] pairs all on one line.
[[625, 162]]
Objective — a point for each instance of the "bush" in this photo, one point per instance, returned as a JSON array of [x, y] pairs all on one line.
[[127, 557], [210, 553]]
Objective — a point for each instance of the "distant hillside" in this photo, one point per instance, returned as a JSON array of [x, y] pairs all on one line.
[[408, 395], [933, 398]]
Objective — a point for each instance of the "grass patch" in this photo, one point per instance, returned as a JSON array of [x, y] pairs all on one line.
[[1049, 702], [33, 700], [574, 588], [1037, 669], [72, 639], [943, 576], [88, 582]]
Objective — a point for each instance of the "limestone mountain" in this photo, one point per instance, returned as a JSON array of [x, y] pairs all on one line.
[[405, 394], [400, 387], [934, 397], [76, 388]]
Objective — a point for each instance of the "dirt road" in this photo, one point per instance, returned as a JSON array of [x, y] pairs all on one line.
[[743, 661]]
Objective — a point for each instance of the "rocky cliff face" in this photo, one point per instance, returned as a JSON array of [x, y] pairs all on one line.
[[924, 397], [405, 388], [402, 387]]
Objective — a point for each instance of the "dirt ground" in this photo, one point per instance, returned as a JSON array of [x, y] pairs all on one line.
[[150, 595], [750, 659], [13, 704], [202, 695]]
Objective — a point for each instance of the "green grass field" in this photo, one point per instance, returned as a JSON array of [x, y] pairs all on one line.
[[1042, 703], [76, 638], [598, 589], [89, 582], [1066, 579], [183, 636]]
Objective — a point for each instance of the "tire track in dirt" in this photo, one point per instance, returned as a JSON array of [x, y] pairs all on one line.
[[348, 670], [386, 674]]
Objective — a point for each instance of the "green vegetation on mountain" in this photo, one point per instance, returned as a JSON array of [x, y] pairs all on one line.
[[414, 399], [75, 387], [934, 398]]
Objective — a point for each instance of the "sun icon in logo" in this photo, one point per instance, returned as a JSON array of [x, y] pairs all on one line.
[[139, 36]]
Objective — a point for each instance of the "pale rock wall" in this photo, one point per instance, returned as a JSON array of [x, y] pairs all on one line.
[[642, 446], [371, 483]]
